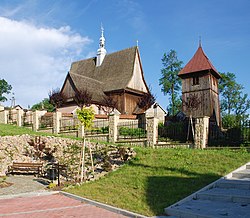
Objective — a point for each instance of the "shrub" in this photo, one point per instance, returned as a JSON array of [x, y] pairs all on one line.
[[126, 131]]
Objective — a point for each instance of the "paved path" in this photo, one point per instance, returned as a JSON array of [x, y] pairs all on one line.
[[28, 197], [23, 184], [54, 205]]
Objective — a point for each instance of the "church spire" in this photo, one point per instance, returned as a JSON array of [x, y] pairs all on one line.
[[101, 52]]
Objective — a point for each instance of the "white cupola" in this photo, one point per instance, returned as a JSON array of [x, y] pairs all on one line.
[[101, 52]]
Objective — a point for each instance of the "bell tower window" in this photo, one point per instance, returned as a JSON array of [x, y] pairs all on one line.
[[195, 80]]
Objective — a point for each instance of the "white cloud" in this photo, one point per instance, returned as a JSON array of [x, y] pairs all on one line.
[[34, 60]]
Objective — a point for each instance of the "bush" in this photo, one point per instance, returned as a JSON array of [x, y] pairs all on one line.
[[126, 131]]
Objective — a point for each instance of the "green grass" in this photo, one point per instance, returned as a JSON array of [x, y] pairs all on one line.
[[158, 178], [10, 130]]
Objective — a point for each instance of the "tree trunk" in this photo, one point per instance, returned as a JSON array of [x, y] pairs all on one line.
[[173, 104]]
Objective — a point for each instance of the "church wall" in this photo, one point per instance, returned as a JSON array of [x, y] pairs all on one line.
[[131, 103], [67, 90], [119, 99], [136, 81]]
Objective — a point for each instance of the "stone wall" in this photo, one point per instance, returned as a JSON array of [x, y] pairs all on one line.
[[66, 151]]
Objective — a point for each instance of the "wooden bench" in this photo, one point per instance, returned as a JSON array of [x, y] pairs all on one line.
[[17, 167]]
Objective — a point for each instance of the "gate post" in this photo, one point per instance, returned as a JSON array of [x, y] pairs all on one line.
[[4, 116], [113, 127], [35, 122], [19, 117], [152, 131], [56, 122], [201, 132]]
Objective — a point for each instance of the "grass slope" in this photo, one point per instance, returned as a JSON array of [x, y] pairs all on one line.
[[158, 178], [6, 129], [11, 130]]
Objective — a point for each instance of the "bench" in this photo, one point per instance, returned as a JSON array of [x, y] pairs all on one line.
[[36, 168]]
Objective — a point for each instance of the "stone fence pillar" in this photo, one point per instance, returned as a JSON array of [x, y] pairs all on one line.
[[152, 131], [113, 127], [19, 117], [201, 132], [4, 116], [35, 122], [56, 122]]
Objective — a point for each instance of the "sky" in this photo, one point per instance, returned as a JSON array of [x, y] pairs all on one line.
[[39, 39]]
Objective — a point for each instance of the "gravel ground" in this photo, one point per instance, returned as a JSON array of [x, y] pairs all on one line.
[[24, 184]]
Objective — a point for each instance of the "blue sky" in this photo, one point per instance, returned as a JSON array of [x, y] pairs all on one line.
[[40, 39]]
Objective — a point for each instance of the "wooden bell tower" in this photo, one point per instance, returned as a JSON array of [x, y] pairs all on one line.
[[200, 81]]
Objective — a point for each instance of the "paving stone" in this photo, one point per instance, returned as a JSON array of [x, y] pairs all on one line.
[[56, 205]]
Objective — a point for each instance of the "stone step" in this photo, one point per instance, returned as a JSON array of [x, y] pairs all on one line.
[[233, 183], [209, 209], [242, 174], [226, 195], [248, 166]]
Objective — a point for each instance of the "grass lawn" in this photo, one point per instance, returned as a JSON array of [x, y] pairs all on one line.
[[10, 130], [158, 178], [14, 130]]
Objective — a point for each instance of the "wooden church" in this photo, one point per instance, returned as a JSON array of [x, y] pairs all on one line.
[[200, 84], [118, 75]]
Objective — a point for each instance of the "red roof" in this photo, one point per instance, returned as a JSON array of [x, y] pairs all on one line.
[[199, 62]]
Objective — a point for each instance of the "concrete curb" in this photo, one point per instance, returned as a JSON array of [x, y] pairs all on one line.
[[29, 194], [104, 206]]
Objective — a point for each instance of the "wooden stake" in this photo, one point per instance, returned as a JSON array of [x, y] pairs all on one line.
[[79, 166], [91, 157], [83, 161]]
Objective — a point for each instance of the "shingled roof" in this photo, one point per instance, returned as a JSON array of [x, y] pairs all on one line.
[[198, 63], [114, 73]]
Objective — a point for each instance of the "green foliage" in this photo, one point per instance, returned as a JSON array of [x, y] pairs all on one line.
[[146, 101], [177, 105], [101, 130], [86, 116], [5, 88], [43, 105], [230, 121], [51, 185], [126, 131], [233, 100], [56, 98], [157, 178], [170, 82]]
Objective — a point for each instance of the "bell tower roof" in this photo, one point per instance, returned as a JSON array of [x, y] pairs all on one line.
[[198, 63]]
